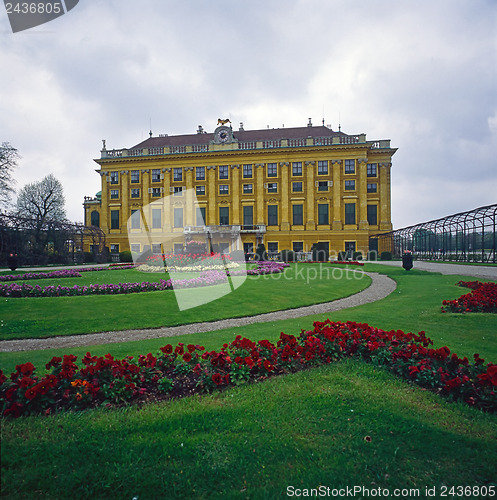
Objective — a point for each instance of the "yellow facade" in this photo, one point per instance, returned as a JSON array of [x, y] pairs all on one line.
[[286, 188]]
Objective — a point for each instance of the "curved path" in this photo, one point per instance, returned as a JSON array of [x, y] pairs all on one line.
[[380, 287]]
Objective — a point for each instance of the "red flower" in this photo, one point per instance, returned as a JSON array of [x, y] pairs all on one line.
[[26, 369], [217, 378], [55, 361], [187, 357], [249, 361], [31, 393], [167, 349], [268, 366]]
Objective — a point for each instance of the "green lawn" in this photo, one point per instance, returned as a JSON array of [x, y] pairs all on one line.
[[341, 425], [45, 317], [302, 430]]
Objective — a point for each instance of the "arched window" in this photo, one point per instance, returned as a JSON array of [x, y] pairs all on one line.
[[95, 219]]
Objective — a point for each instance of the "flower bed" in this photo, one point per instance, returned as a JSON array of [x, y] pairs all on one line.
[[183, 370], [189, 259], [66, 273], [62, 273], [147, 268], [483, 298], [207, 278]]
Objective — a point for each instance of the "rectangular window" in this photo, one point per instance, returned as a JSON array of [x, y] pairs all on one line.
[[323, 214], [224, 189], [297, 168], [272, 215], [323, 186], [114, 194], [200, 173], [200, 190], [248, 247], [298, 246], [350, 166], [114, 177], [178, 248], [135, 176], [114, 248], [200, 216], [156, 175], [247, 189], [155, 192], [135, 193], [135, 247], [349, 213], [296, 187], [372, 170], [178, 217], [272, 247], [223, 172], [272, 187], [178, 190], [135, 219], [177, 174], [156, 218], [373, 215], [323, 167], [298, 215], [248, 216], [349, 185], [373, 187], [224, 216], [114, 219], [156, 248], [272, 170], [247, 171]]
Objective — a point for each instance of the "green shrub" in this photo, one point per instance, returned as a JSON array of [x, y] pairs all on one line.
[[372, 255], [287, 255], [89, 257], [125, 256], [260, 253], [386, 256], [342, 256], [357, 256], [319, 252]]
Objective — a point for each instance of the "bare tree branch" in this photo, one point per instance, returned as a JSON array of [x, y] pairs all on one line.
[[8, 162]]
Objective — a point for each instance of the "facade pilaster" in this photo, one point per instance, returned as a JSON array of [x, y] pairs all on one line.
[[385, 217], [259, 210], [124, 178], [167, 200], [285, 199], [363, 193], [235, 189], [311, 218], [105, 214], [211, 208], [337, 195]]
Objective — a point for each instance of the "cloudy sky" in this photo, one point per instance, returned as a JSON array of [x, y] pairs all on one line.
[[423, 74]]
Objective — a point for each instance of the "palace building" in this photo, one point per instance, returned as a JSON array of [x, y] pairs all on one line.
[[288, 188]]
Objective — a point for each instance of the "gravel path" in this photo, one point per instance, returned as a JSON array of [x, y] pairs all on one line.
[[380, 287], [487, 272]]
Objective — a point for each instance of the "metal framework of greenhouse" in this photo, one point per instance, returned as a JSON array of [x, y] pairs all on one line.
[[37, 243], [465, 236]]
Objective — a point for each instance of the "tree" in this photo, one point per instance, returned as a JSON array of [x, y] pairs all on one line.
[[41, 205], [8, 162], [42, 201]]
